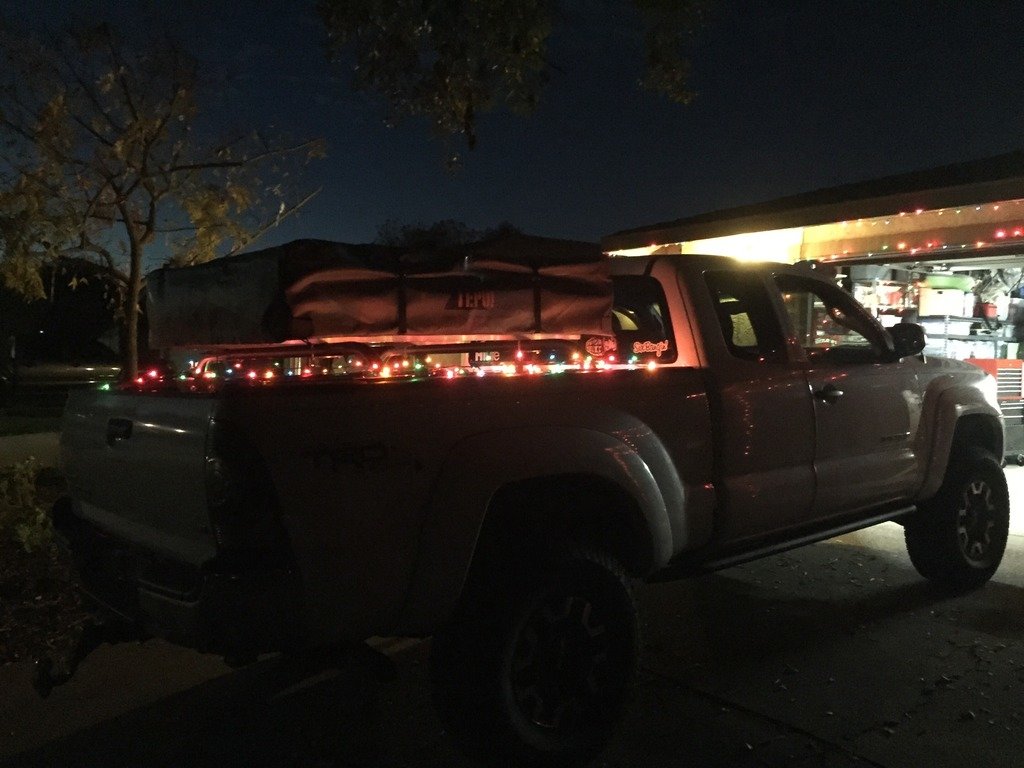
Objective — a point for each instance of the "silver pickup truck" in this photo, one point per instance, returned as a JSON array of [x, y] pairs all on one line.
[[741, 409]]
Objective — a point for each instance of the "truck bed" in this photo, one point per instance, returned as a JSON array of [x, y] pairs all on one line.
[[360, 470]]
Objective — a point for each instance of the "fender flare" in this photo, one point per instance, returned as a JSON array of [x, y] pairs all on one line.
[[954, 404], [477, 467]]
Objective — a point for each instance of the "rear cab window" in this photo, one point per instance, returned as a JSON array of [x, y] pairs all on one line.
[[640, 320]]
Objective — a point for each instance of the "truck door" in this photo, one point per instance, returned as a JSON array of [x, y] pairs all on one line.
[[764, 419], [866, 403]]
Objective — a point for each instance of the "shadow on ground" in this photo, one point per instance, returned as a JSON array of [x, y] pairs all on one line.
[[706, 639], [268, 714]]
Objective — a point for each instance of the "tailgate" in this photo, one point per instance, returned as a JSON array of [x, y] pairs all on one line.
[[135, 464]]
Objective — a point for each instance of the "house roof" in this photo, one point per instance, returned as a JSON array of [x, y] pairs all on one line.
[[976, 181]]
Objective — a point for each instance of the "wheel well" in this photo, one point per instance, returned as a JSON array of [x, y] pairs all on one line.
[[545, 513], [977, 431]]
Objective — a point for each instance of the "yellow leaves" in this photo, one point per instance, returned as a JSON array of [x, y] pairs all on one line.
[[52, 131], [105, 83], [107, 161], [213, 212], [206, 207], [215, 207], [21, 274], [55, 110], [240, 196]]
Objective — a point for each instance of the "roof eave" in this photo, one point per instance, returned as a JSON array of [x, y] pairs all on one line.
[[687, 230]]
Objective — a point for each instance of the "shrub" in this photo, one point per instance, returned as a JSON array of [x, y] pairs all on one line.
[[22, 517]]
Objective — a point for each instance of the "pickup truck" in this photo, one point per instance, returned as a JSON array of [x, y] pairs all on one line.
[[507, 502]]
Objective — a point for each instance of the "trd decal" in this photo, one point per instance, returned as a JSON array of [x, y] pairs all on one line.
[[372, 456]]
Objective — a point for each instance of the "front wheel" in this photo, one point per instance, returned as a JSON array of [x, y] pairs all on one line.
[[958, 537], [538, 670]]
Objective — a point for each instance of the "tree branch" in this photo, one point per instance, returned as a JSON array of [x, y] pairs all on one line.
[[93, 132], [87, 89], [283, 214], [85, 244], [34, 141], [212, 164], [119, 69]]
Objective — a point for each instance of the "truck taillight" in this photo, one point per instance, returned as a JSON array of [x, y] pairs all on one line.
[[240, 495]]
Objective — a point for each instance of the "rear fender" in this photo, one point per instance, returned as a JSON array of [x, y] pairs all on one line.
[[479, 466]]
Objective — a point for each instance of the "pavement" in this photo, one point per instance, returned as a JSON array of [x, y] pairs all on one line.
[[44, 446], [834, 655]]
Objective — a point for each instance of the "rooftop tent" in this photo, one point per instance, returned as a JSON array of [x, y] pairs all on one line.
[[314, 289]]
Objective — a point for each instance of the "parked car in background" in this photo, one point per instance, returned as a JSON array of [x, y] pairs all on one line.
[[32, 367]]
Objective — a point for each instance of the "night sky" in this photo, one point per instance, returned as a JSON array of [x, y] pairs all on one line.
[[792, 96]]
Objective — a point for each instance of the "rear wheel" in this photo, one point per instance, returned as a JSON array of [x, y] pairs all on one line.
[[537, 670], [958, 537]]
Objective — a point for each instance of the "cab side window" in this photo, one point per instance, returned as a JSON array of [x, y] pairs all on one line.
[[640, 319], [748, 323], [829, 324]]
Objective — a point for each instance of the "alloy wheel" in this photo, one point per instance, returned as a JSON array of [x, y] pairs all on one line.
[[559, 664], [976, 517]]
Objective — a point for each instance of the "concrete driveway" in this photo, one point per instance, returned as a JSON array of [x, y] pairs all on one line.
[[43, 445], [833, 655]]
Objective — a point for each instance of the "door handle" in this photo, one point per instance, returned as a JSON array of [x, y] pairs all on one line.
[[118, 429], [830, 393]]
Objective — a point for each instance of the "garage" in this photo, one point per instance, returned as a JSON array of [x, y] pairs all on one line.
[[943, 247]]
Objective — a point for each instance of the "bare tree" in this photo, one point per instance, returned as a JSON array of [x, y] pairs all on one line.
[[103, 156]]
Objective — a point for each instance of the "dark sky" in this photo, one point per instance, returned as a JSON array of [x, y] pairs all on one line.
[[792, 96]]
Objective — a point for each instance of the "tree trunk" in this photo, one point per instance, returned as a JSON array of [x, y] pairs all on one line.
[[131, 317], [131, 361]]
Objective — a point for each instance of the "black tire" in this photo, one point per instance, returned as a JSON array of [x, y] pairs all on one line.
[[537, 668], [958, 537]]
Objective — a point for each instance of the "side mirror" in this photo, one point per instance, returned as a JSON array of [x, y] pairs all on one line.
[[907, 339]]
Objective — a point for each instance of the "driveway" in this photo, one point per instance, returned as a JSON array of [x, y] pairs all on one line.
[[833, 655], [43, 445]]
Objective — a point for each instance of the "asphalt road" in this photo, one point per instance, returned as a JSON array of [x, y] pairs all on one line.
[[833, 655]]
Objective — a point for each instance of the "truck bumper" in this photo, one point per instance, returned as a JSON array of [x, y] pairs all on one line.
[[241, 609]]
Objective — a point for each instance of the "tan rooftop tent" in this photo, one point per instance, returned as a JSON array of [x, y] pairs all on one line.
[[320, 290]]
